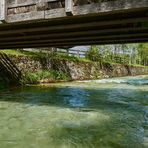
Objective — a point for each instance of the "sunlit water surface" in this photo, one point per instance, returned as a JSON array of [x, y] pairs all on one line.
[[109, 113]]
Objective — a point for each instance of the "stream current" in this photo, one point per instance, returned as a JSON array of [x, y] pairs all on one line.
[[108, 113]]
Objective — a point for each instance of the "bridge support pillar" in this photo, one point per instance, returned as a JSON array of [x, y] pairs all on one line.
[[69, 7], [3, 10]]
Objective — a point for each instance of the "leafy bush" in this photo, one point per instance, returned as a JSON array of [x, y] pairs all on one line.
[[93, 54], [31, 78], [36, 77]]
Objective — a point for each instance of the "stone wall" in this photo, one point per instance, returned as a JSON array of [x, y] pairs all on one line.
[[77, 70], [92, 70]]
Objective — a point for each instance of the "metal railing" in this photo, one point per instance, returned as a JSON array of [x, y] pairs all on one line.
[[72, 52]]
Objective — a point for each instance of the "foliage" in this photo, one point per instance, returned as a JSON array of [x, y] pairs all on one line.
[[63, 56], [127, 54], [143, 53], [31, 78], [93, 54], [52, 55], [131, 54], [23, 53], [36, 77]]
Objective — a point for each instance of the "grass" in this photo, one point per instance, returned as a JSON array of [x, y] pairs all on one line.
[[12, 52], [22, 53], [135, 65], [56, 56], [37, 77], [60, 56]]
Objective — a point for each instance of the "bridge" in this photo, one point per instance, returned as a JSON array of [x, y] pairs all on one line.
[[49, 23]]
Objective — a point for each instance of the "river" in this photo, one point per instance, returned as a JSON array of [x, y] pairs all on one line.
[[108, 113]]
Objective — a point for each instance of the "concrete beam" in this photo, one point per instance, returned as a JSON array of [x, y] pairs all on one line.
[[76, 39], [3, 10], [69, 7], [91, 42], [108, 33], [72, 27]]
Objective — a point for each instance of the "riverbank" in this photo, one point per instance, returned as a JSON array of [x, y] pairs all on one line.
[[42, 68]]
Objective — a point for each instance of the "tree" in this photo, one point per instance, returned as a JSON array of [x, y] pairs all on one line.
[[93, 54], [143, 53]]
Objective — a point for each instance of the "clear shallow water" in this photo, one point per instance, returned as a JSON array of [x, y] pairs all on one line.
[[111, 113]]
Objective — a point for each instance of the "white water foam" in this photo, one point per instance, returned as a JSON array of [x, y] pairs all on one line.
[[128, 80]]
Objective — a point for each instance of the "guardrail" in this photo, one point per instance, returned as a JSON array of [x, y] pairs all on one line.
[[72, 52]]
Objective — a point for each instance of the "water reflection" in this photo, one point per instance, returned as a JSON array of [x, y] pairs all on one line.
[[76, 97]]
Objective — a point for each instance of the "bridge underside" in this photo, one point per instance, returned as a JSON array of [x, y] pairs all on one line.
[[81, 27]]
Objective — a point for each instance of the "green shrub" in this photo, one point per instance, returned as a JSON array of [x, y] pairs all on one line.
[[31, 78], [93, 54], [35, 77], [57, 75]]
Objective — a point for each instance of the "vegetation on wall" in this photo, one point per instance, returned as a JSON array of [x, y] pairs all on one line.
[[126, 54], [40, 76], [23, 53], [48, 54]]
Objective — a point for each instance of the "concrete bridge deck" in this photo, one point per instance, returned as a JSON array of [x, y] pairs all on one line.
[[47, 23]]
